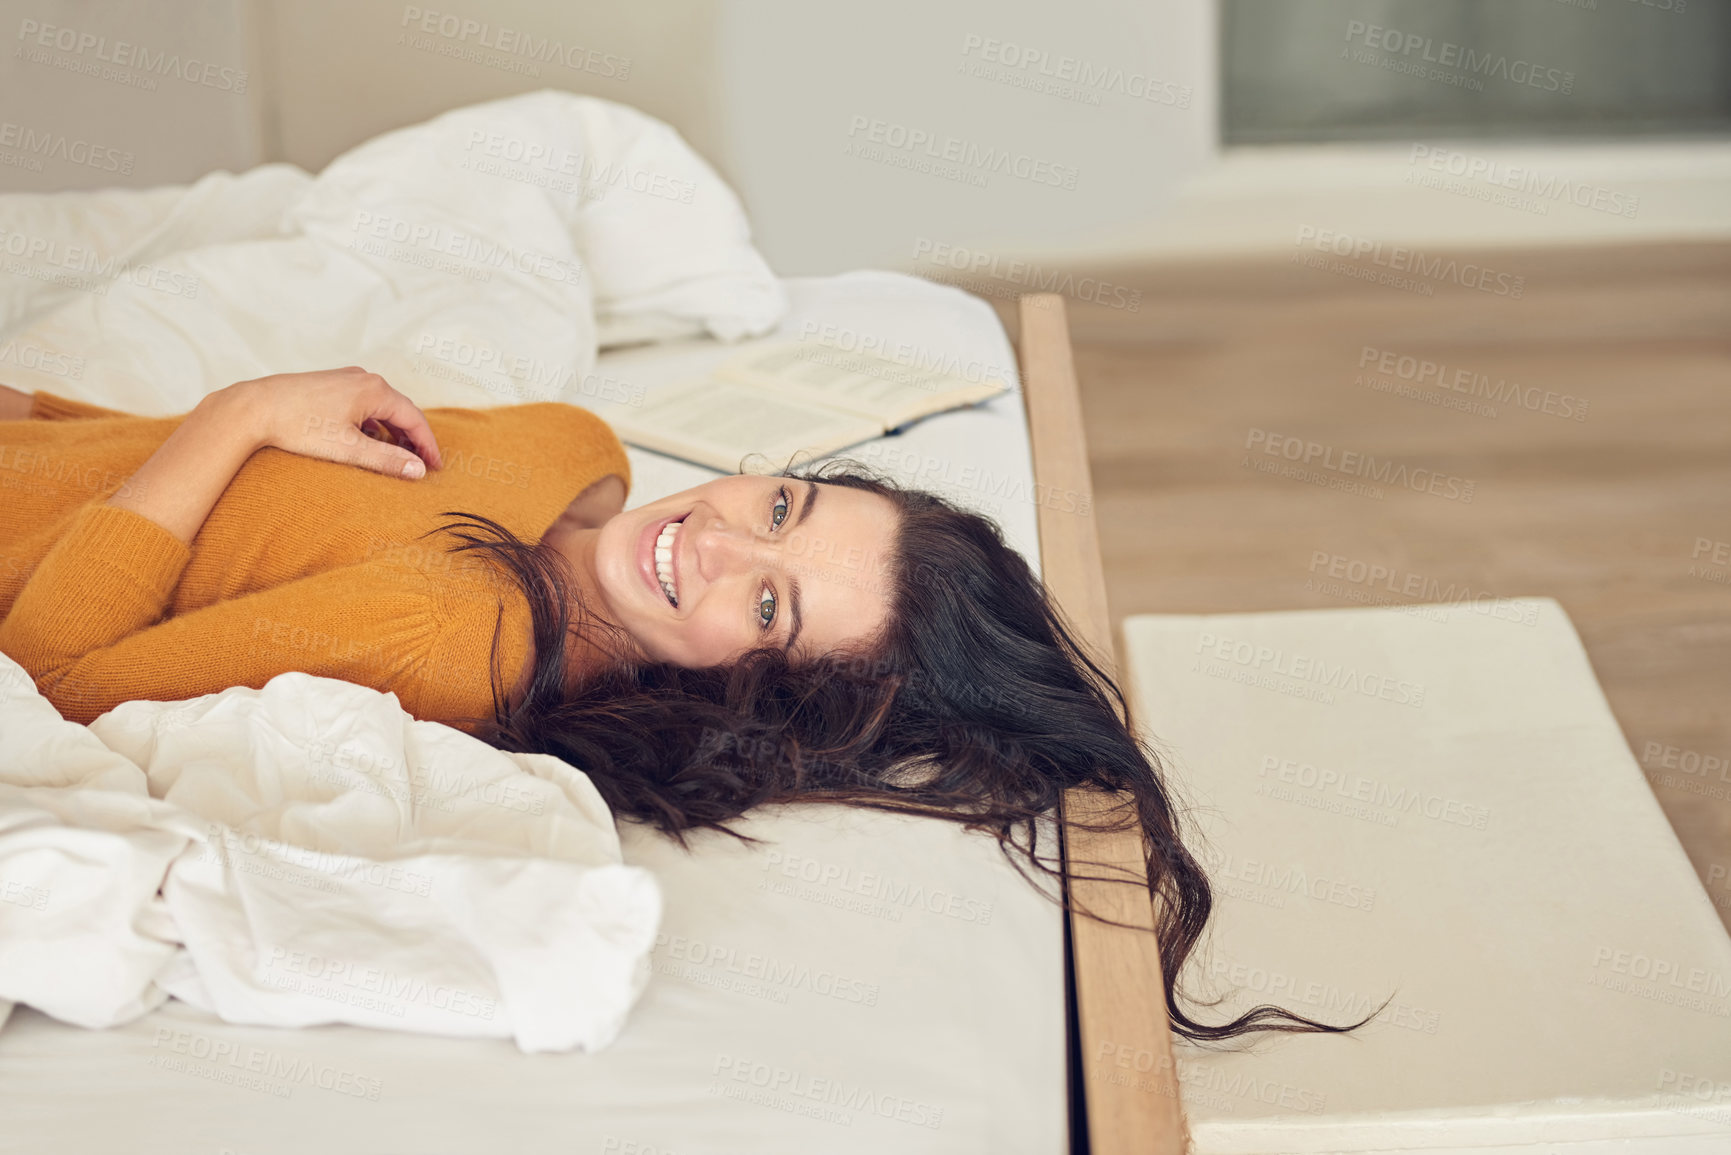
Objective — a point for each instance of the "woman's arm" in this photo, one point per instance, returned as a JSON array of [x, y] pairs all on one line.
[[42, 405], [379, 623], [15, 406], [178, 486], [53, 407], [113, 571], [320, 415]]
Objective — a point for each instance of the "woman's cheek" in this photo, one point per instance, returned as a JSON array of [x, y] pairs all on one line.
[[702, 642], [707, 639]]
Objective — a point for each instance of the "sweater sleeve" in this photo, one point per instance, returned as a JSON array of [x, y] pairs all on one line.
[[89, 627], [53, 407], [112, 572]]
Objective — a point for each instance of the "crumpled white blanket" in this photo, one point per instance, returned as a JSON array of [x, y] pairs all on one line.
[[481, 258], [309, 853]]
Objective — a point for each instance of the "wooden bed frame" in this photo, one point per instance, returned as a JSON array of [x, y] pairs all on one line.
[[1123, 1085]]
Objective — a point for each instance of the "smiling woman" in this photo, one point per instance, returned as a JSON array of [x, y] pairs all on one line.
[[701, 577], [820, 635], [828, 636]]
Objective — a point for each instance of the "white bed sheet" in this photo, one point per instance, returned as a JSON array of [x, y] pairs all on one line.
[[859, 983]]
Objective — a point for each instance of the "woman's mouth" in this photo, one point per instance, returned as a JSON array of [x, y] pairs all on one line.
[[666, 572]]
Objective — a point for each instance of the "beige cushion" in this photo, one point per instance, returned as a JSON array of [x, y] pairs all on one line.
[[1436, 804]]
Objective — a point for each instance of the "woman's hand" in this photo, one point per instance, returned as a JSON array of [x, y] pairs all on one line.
[[322, 415], [347, 415]]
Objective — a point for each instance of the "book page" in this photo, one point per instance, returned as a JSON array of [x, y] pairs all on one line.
[[861, 383], [720, 423]]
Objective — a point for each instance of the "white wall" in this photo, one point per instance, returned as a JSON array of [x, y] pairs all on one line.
[[773, 92], [769, 91], [97, 94], [344, 71], [807, 88], [811, 111]]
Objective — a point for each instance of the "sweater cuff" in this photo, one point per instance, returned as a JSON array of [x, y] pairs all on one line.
[[110, 574], [146, 555], [45, 407]]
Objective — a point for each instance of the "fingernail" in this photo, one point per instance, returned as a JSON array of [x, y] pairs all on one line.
[[413, 468]]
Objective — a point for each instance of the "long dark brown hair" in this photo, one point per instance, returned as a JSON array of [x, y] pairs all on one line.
[[975, 704]]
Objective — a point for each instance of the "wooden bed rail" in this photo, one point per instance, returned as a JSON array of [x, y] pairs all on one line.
[[1121, 1072]]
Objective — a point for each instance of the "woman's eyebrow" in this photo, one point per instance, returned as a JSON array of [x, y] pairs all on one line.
[[793, 603], [793, 582], [810, 499]]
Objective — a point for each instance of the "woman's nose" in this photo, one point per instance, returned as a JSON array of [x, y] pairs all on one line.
[[724, 548]]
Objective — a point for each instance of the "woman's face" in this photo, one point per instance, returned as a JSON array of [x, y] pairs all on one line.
[[746, 562]]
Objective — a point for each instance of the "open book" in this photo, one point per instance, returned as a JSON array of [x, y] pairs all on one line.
[[781, 398]]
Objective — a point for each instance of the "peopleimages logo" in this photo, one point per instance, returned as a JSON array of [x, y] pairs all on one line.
[[1353, 463], [58, 146], [866, 131], [800, 1092], [1400, 259], [1376, 575], [1086, 76], [122, 54], [257, 1064], [918, 358], [47, 258], [18, 894], [1027, 274], [1311, 668], [1355, 787], [438, 240], [1287, 878], [892, 891], [29, 355], [1669, 972], [515, 42], [1448, 54], [1543, 186], [1456, 379]]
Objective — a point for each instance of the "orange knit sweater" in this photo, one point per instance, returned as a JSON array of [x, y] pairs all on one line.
[[302, 565]]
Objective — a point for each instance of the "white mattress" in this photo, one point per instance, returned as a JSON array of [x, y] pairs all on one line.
[[1436, 804], [859, 983]]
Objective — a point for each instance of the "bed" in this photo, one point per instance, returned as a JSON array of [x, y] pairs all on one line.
[[859, 982]]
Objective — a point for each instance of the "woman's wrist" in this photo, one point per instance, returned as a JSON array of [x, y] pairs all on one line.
[[180, 483], [239, 410]]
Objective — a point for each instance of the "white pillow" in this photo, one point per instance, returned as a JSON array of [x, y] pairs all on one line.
[[666, 241]]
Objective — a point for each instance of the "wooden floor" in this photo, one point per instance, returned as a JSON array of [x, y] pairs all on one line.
[[1618, 515]]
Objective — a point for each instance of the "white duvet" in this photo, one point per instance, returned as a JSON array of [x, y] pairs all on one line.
[[308, 853], [479, 259]]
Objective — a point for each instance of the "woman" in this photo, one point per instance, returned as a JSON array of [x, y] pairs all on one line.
[[825, 637]]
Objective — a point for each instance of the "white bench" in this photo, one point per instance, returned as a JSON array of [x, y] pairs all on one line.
[[1434, 803]]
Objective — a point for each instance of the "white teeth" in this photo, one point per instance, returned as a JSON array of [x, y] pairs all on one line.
[[664, 560]]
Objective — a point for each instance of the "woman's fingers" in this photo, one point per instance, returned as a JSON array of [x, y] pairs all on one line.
[[387, 459], [346, 415], [406, 421]]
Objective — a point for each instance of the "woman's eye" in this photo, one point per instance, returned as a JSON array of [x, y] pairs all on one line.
[[766, 608], [783, 503]]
